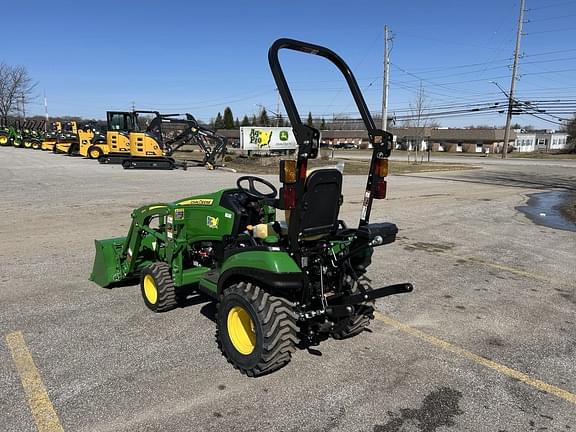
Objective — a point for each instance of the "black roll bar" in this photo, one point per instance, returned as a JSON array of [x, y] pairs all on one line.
[[328, 54]]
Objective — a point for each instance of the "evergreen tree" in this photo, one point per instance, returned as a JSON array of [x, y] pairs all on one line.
[[228, 118], [281, 122], [254, 122], [322, 124], [245, 121], [264, 120], [310, 121], [218, 123]]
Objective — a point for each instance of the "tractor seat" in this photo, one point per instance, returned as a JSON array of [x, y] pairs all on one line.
[[321, 203]]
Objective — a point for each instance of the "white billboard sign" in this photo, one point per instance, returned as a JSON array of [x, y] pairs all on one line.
[[267, 138]]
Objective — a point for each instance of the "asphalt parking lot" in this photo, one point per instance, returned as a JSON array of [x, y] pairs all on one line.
[[487, 342]]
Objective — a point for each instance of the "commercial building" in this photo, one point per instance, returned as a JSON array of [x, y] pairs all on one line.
[[544, 141]]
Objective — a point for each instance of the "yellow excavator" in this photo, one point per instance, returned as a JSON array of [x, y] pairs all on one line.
[[154, 147], [133, 144]]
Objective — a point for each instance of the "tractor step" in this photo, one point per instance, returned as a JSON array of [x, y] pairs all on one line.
[[209, 282], [212, 276]]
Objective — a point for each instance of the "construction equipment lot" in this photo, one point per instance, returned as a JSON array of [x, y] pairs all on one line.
[[487, 342]]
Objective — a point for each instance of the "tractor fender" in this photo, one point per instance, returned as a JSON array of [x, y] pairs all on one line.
[[275, 269]]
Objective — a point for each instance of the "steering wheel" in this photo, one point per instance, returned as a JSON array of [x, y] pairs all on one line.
[[251, 191]]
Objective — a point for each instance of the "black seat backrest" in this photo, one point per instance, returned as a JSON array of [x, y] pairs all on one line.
[[321, 202]]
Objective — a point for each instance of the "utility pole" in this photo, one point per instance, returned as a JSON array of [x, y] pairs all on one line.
[[277, 108], [385, 83], [513, 82], [45, 112]]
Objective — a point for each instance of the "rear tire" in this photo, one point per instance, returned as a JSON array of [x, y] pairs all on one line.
[[256, 332], [157, 287], [73, 150], [363, 314]]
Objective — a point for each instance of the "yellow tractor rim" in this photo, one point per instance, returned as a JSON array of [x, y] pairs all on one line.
[[3, 140], [94, 154], [241, 330], [150, 290]]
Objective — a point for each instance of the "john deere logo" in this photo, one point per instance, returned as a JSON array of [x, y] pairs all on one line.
[[283, 135], [212, 222], [197, 201]]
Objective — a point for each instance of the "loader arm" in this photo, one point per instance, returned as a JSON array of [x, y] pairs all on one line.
[[139, 228]]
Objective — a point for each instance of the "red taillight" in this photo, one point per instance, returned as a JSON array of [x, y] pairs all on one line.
[[303, 169], [289, 197], [379, 188]]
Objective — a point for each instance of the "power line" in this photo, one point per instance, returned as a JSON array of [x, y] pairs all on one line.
[[530, 21], [551, 31], [551, 5]]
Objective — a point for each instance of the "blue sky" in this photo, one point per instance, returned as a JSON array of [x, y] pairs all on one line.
[[198, 57]]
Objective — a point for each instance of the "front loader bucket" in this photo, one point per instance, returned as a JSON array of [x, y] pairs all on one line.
[[107, 262]]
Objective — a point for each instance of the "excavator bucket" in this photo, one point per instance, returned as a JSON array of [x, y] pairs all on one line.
[[107, 268]]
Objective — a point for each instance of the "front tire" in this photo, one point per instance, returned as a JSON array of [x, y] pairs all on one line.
[[256, 331], [95, 152], [157, 287]]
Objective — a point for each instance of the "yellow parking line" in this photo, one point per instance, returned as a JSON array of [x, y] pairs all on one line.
[[42, 409], [447, 346]]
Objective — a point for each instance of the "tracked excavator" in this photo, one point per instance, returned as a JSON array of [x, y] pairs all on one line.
[[153, 148]]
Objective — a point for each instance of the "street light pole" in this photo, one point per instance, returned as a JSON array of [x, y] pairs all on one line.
[[513, 81]]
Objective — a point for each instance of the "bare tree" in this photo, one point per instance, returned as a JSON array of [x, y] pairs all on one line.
[[570, 129], [16, 87], [418, 121]]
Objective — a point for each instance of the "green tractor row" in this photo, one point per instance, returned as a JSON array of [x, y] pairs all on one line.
[[26, 134], [278, 284]]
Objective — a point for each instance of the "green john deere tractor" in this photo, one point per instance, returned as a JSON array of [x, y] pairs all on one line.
[[277, 284], [10, 136]]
